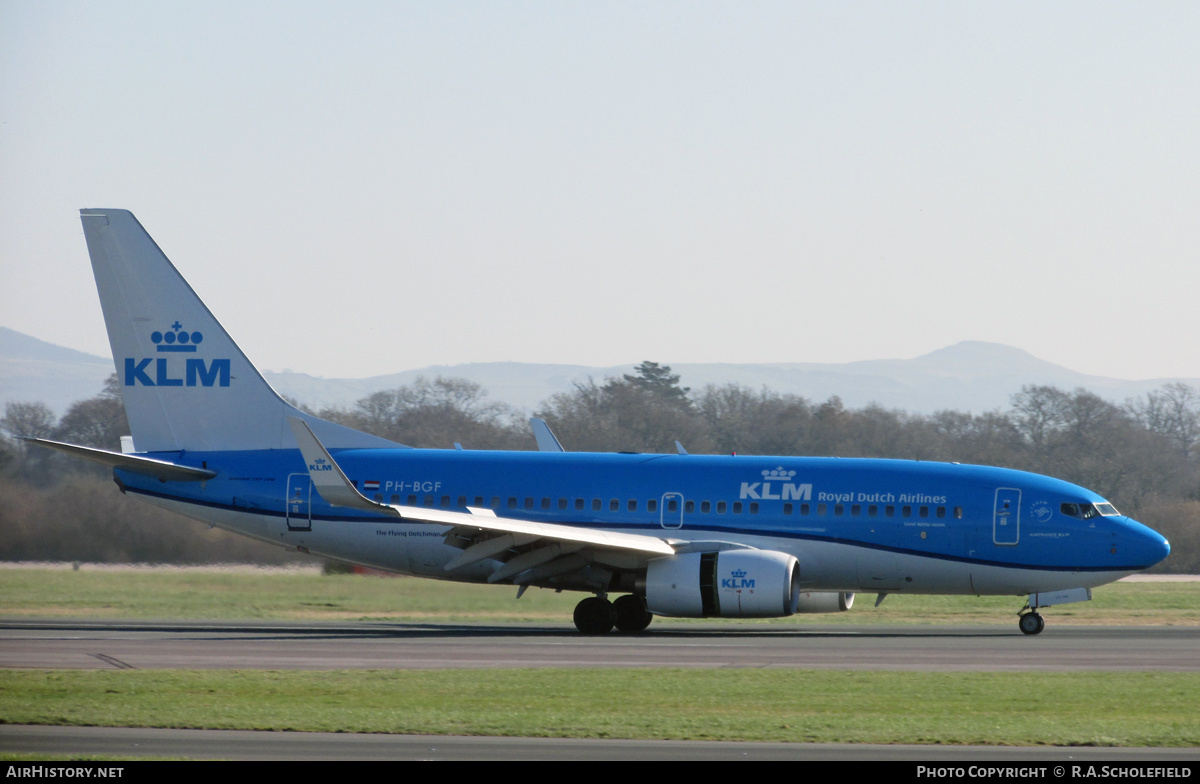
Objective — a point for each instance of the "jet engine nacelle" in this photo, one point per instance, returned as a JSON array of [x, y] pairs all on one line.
[[824, 602], [728, 584]]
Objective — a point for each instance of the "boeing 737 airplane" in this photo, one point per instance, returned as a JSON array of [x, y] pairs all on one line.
[[674, 535]]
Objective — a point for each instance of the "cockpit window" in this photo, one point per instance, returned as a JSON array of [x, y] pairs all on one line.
[[1088, 511]]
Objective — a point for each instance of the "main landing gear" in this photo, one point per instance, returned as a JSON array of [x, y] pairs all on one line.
[[597, 615]]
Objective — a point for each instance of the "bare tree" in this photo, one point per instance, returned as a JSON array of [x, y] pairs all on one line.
[[1172, 411]]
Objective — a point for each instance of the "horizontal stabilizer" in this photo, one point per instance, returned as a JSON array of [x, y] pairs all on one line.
[[160, 469]]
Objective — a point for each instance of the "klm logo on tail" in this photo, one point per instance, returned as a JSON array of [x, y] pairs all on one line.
[[196, 372]]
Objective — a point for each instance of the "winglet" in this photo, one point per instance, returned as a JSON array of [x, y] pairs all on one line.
[[545, 437], [327, 476]]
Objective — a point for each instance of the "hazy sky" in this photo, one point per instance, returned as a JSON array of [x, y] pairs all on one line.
[[357, 188]]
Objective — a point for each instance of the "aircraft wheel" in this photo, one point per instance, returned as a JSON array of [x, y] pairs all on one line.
[[631, 614], [1031, 623], [594, 615]]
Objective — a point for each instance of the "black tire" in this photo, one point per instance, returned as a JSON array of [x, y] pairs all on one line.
[[1031, 623], [594, 615], [631, 614]]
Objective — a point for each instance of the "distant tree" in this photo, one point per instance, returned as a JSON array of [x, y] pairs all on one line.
[[990, 438], [624, 416], [658, 380], [98, 421], [1079, 437], [739, 419], [1172, 411], [437, 414], [28, 420]]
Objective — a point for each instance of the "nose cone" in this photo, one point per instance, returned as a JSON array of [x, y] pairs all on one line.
[[1145, 546]]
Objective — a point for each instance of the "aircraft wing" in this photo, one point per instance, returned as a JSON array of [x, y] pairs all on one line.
[[549, 541]]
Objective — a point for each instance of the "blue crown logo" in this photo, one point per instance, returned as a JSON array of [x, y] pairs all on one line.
[[178, 340], [778, 473], [739, 572]]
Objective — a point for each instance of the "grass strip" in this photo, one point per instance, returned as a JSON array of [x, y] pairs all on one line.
[[187, 594], [1061, 709]]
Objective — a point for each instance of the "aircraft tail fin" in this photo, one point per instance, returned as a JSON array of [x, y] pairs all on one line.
[[185, 383]]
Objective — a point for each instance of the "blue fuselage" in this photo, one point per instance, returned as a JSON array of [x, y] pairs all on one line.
[[854, 524]]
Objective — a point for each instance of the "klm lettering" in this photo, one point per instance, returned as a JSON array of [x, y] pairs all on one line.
[[763, 491], [157, 373], [734, 582]]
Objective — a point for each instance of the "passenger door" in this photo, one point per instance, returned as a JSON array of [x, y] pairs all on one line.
[[1006, 516]]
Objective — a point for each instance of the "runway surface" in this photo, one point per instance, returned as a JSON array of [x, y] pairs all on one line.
[[323, 646], [305, 746], [41, 644]]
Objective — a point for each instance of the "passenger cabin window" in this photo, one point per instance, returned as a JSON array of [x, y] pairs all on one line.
[[652, 505]]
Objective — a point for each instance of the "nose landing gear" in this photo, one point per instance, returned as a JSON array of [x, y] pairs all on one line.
[[1031, 623], [1028, 619]]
